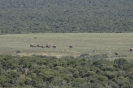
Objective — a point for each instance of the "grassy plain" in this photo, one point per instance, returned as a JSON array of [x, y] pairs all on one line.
[[89, 43]]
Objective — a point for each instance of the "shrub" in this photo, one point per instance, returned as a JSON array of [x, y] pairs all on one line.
[[18, 51]]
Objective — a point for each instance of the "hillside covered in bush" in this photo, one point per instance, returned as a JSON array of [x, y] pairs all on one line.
[[65, 16], [66, 72]]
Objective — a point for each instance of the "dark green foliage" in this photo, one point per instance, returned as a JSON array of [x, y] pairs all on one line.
[[120, 62], [35, 16], [18, 51], [66, 72]]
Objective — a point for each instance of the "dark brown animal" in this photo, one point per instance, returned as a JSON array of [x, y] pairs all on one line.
[[131, 50], [54, 46], [116, 53], [70, 46], [48, 46], [31, 45], [39, 45], [42, 46]]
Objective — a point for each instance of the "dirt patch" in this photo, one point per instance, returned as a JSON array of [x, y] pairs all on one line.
[[58, 55]]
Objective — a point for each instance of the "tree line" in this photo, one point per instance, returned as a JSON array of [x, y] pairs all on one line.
[[71, 16], [65, 72]]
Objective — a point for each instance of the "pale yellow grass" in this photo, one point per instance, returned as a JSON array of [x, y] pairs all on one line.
[[90, 43]]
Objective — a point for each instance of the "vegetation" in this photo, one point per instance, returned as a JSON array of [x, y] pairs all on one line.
[[102, 45], [70, 16], [91, 63], [66, 72]]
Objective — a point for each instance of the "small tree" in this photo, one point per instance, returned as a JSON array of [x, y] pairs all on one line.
[[18, 51], [120, 62]]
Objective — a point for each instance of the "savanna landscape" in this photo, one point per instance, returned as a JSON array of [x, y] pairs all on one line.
[[66, 44], [95, 60], [89, 43]]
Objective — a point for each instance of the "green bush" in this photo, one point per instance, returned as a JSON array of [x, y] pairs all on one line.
[[47, 72]]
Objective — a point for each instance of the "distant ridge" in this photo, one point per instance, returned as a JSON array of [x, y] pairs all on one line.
[[66, 16]]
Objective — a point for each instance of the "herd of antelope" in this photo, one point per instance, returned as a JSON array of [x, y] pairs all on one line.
[[46, 46], [70, 46], [129, 50]]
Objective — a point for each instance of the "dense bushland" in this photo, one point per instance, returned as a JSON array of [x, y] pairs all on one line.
[[35, 16], [66, 72]]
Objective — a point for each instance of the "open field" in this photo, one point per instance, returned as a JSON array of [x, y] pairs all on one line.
[[90, 43]]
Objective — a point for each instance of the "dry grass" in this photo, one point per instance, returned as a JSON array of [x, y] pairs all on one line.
[[92, 43]]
